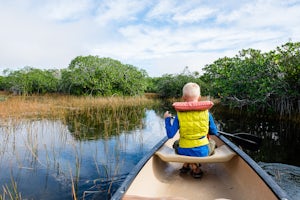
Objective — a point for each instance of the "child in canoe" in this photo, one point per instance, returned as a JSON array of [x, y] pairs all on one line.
[[194, 123]]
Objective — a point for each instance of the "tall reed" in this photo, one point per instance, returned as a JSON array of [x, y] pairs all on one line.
[[57, 106], [11, 192], [86, 117]]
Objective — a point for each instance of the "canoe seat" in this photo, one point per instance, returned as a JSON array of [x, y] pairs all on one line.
[[221, 154], [134, 197]]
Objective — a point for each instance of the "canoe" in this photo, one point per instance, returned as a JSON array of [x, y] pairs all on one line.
[[228, 174]]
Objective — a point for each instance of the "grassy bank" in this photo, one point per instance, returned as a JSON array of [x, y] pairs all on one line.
[[56, 106]]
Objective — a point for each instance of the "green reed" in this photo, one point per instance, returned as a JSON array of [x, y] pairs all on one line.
[[11, 192]]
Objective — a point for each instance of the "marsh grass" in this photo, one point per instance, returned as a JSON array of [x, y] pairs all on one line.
[[58, 106], [86, 118], [11, 192]]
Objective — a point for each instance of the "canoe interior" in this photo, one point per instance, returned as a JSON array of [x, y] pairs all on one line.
[[233, 179]]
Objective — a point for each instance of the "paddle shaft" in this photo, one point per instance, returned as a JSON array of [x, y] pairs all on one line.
[[235, 136], [245, 140]]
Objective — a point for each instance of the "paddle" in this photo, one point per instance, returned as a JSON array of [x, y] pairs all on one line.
[[245, 140]]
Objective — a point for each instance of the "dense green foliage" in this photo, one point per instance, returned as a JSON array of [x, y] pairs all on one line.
[[29, 81], [88, 75], [261, 81], [268, 82], [92, 75], [170, 85], [252, 79]]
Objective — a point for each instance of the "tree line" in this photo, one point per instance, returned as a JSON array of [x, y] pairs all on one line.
[[251, 79], [258, 81], [85, 75]]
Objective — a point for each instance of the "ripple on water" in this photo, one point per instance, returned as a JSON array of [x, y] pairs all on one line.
[[286, 176]]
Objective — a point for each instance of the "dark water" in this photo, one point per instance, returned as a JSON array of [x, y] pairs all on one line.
[[46, 159], [281, 138], [286, 176]]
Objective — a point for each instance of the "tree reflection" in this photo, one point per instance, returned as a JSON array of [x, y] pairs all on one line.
[[95, 123], [281, 137]]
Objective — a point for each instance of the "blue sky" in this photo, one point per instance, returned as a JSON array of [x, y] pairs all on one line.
[[160, 36]]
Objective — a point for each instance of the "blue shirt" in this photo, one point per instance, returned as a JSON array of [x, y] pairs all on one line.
[[196, 151]]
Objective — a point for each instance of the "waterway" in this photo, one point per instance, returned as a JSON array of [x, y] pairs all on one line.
[[46, 159]]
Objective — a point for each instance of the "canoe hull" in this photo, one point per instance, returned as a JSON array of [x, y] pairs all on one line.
[[234, 179]]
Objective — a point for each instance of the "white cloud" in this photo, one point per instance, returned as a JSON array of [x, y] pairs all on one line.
[[194, 15], [160, 36], [67, 10], [119, 11], [162, 10]]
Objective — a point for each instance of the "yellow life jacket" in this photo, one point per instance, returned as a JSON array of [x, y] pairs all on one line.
[[194, 126]]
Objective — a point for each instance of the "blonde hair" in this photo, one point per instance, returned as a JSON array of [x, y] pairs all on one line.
[[191, 90]]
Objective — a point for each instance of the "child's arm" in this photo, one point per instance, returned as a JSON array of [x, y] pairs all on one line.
[[171, 128], [212, 126]]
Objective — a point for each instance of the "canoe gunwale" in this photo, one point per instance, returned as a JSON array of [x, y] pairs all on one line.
[[277, 190], [131, 176]]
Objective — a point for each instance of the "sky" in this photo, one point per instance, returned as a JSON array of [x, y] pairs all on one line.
[[159, 36]]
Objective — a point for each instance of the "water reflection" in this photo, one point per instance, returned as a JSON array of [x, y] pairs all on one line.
[[287, 177], [92, 151], [281, 138], [45, 159], [94, 122], [31, 156]]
